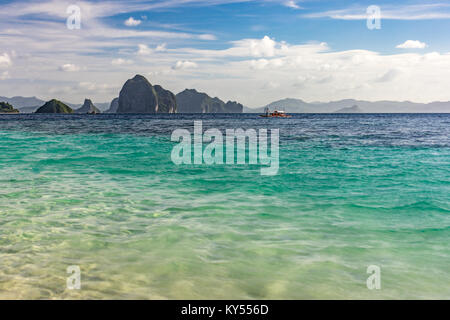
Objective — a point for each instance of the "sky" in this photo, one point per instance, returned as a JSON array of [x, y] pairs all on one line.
[[250, 51]]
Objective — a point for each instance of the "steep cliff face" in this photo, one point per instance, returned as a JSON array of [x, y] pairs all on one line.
[[139, 96], [192, 101], [113, 106], [54, 106], [88, 107], [167, 102]]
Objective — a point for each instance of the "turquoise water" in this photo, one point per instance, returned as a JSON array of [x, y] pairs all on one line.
[[101, 192]]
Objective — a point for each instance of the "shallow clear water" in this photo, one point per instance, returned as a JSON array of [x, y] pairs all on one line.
[[101, 192]]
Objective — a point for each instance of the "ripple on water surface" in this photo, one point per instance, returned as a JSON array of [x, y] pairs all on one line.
[[102, 193]]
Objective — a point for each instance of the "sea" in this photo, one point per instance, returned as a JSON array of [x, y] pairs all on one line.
[[354, 193]]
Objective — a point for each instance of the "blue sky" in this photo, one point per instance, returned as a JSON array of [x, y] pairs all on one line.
[[250, 51], [255, 19]]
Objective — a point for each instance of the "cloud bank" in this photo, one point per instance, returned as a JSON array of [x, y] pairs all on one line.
[[41, 57]]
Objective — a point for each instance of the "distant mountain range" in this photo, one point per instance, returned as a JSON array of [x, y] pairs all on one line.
[[23, 102], [354, 106], [192, 101], [354, 109]]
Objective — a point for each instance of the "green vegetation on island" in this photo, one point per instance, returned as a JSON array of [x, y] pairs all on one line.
[[54, 106], [5, 107]]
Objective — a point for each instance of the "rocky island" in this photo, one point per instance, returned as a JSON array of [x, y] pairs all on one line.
[[88, 107], [192, 101], [139, 96], [5, 107], [113, 106], [54, 106]]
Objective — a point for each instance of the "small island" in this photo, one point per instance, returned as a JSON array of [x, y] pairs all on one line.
[[5, 107], [88, 108], [54, 106]]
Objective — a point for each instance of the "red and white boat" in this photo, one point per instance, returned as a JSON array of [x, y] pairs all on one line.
[[274, 114]]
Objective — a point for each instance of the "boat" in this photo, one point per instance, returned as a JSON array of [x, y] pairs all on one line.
[[274, 114]]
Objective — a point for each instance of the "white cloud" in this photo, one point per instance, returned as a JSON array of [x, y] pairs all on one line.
[[161, 73], [131, 22], [68, 67], [412, 44], [292, 4], [185, 65], [95, 87], [388, 76], [398, 12], [120, 61], [4, 75], [207, 37], [162, 47], [432, 56], [144, 50], [237, 72], [262, 48], [264, 63], [259, 48], [271, 85], [5, 60], [265, 47], [259, 64]]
